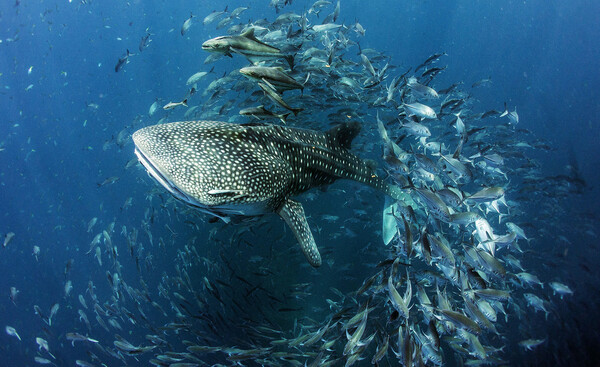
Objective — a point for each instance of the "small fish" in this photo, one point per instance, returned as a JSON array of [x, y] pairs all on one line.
[[7, 238], [12, 332], [213, 16], [561, 289], [237, 11], [98, 256], [82, 363], [187, 24], [41, 360], [482, 82], [486, 194], [122, 61], [108, 181], [43, 344], [53, 312], [416, 129], [144, 41], [196, 77], [68, 288], [529, 344], [91, 224], [82, 301], [420, 110], [171, 105], [36, 252], [396, 300], [130, 349], [76, 337], [153, 108], [13, 294], [421, 90], [460, 320]]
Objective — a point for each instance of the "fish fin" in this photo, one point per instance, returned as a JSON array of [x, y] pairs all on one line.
[[292, 213], [505, 110], [290, 61], [284, 117], [184, 102], [296, 111], [389, 221], [306, 80], [270, 85], [343, 134], [249, 33]]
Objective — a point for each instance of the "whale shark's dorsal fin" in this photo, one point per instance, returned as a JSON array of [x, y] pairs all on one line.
[[343, 134], [292, 213]]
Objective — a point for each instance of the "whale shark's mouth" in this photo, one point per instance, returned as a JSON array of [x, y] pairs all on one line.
[[154, 171], [157, 174]]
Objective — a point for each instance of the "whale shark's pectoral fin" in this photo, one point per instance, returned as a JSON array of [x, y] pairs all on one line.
[[292, 213]]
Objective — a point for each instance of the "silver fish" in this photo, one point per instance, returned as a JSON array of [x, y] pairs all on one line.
[[172, 105], [420, 110], [187, 24]]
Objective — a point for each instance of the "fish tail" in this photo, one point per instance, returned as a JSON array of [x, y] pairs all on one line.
[[296, 110], [290, 61], [505, 110], [284, 117]]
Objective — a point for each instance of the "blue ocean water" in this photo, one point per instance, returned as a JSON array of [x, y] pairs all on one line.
[[64, 108]]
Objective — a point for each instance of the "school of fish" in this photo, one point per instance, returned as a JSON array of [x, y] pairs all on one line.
[[445, 280]]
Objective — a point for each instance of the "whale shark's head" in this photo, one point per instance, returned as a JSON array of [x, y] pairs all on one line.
[[209, 165], [168, 158]]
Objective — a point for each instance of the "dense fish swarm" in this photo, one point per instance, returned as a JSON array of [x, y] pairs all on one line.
[[445, 282]]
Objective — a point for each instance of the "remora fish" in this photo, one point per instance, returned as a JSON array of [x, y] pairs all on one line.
[[261, 112], [275, 75], [245, 44], [272, 94], [252, 169]]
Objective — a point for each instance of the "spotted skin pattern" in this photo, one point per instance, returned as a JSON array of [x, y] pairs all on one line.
[[229, 169]]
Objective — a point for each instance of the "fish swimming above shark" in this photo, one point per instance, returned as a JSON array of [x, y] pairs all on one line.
[[274, 75], [231, 170], [245, 44]]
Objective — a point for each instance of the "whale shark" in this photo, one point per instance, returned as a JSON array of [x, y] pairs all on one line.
[[231, 170]]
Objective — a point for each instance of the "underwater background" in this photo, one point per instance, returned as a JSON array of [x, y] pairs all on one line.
[[66, 157]]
